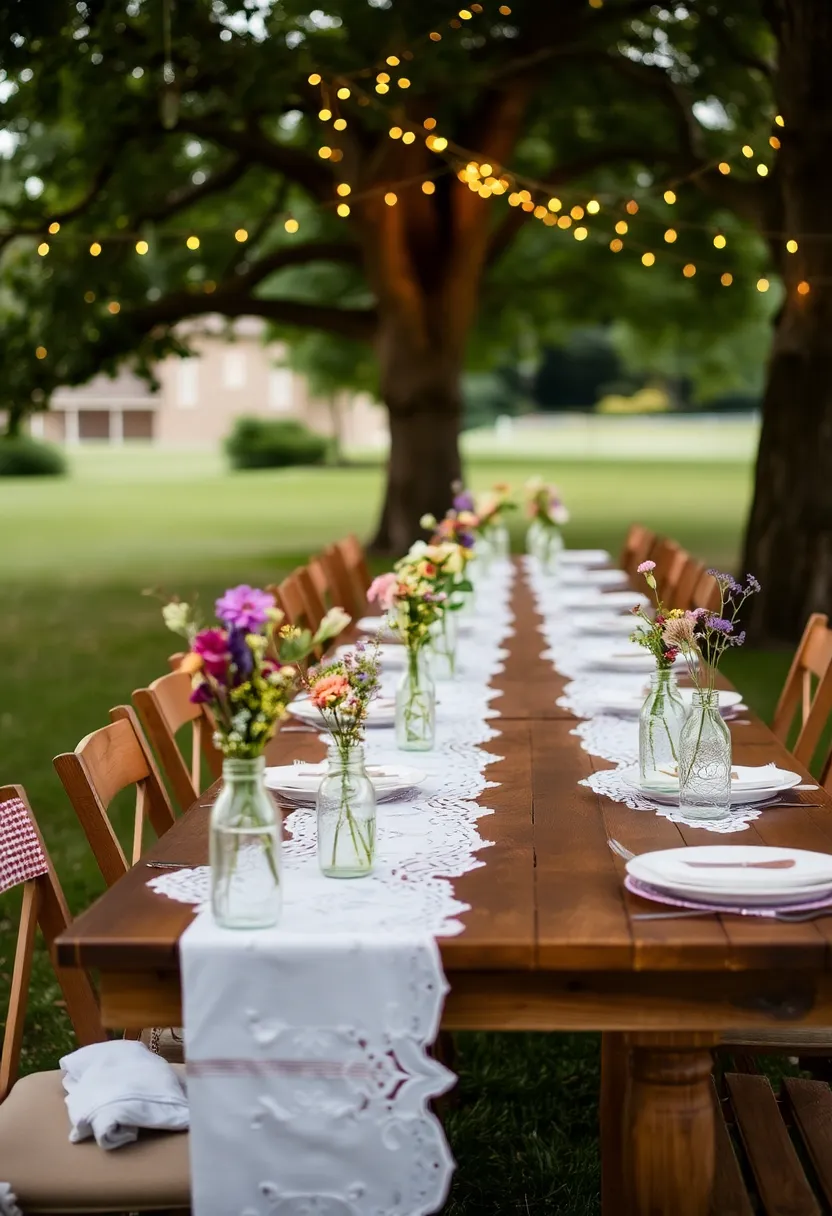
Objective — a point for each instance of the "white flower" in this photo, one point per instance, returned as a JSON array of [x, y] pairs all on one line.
[[427, 521], [418, 549], [560, 514], [177, 617], [335, 622]]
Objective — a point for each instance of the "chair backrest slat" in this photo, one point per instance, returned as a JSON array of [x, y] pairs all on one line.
[[687, 584], [105, 762], [314, 605], [812, 661], [637, 545], [345, 592], [164, 707]]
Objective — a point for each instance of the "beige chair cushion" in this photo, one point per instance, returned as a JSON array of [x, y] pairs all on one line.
[[48, 1174]]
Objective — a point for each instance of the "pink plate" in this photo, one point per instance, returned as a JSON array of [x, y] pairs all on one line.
[[661, 897]]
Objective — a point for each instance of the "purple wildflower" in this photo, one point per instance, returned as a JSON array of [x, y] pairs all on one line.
[[464, 501], [752, 585], [466, 539], [241, 655], [719, 624], [244, 607], [200, 694]]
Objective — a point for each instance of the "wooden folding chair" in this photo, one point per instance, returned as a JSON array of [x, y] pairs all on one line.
[[104, 763], [345, 591], [45, 1171], [687, 583], [314, 605], [164, 707], [808, 689], [706, 593], [637, 545], [356, 560], [666, 554]]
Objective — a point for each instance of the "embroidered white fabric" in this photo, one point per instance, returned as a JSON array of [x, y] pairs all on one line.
[[610, 736], [308, 1073]]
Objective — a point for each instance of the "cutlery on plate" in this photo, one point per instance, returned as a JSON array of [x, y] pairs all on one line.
[[313, 730], [619, 849], [788, 918], [168, 865], [785, 863]]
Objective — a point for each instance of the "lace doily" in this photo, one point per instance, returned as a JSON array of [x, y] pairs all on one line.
[[356, 979], [621, 784]]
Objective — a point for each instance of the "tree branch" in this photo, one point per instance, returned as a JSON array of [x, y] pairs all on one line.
[[294, 255], [99, 181], [255, 147], [187, 196]]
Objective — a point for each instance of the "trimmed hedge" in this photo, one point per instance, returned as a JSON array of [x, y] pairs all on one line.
[[260, 443], [25, 457]]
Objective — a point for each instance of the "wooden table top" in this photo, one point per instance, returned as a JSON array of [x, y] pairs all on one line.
[[550, 896]]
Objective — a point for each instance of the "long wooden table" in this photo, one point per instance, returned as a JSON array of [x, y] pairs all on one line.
[[550, 943]]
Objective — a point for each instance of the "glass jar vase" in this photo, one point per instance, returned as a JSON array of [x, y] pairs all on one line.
[[245, 837], [660, 725], [501, 542], [705, 760], [444, 633], [551, 544], [534, 537], [416, 705], [346, 806]]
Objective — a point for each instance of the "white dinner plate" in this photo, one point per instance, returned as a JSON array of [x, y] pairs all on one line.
[[615, 658], [382, 712], [626, 704], [389, 654], [746, 788], [377, 626], [593, 579], [299, 782], [728, 699], [713, 873], [589, 558], [593, 600], [598, 625]]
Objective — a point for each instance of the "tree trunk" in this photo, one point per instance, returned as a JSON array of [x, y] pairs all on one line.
[[789, 537]]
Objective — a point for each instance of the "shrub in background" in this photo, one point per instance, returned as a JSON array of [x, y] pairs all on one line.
[[261, 443], [22, 456]]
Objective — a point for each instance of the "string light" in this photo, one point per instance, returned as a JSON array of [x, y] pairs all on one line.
[[89, 296], [720, 241], [192, 242], [689, 270], [241, 235], [343, 209], [528, 205], [550, 220], [315, 78], [670, 235], [438, 143], [564, 221], [54, 227], [616, 245], [593, 206], [632, 207], [792, 246], [486, 170], [383, 77], [669, 196], [429, 124], [539, 212], [762, 284], [803, 288], [325, 152], [621, 227], [340, 124], [142, 247], [114, 307], [465, 14], [724, 167], [343, 188], [343, 93], [554, 204], [43, 249], [382, 88], [747, 150], [390, 198], [504, 10], [428, 187], [774, 141], [324, 114], [95, 249], [408, 137], [40, 352], [393, 60], [726, 279], [647, 259], [395, 132], [434, 36], [291, 225], [762, 170], [577, 213], [778, 118], [403, 82], [580, 234]]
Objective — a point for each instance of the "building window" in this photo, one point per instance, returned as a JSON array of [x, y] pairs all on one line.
[[234, 369], [281, 389], [187, 383]]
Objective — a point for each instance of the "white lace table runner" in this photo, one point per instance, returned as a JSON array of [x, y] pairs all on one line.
[[308, 1066], [613, 738]]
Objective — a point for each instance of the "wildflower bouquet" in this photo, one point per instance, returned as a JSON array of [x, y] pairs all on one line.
[[544, 504], [342, 692], [411, 600], [491, 507], [442, 565], [458, 526], [245, 668], [650, 633], [702, 636]]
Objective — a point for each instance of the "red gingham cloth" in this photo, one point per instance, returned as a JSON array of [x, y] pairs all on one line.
[[21, 855]]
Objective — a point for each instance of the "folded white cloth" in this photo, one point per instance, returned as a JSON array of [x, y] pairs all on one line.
[[8, 1201], [115, 1088]]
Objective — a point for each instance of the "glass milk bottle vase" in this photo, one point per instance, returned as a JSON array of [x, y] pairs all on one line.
[[346, 806], [443, 640], [534, 538], [245, 849], [416, 704], [551, 544], [500, 542], [660, 725], [705, 760]]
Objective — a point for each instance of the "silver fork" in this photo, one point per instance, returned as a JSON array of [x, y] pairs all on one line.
[[619, 849], [788, 918]]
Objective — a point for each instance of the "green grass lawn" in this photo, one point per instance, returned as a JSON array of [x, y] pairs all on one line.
[[77, 636]]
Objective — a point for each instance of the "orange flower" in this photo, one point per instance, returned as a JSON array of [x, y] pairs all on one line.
[[191, 663]]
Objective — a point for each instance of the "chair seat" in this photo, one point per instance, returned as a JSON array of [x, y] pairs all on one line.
[[48, 1174]]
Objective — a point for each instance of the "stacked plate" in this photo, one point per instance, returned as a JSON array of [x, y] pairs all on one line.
[[620, 657], [607, 624], [749, 784], [733, 878], [377, 626], [599, 580], [390, 655], [382, 712], [588, 558], [593, 600], [298, 783], [627, 702]]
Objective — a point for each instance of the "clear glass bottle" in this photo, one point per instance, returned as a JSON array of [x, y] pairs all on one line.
[[534, 536], [705, 760], [346, 806], [551, 544], [501, 542], [444, 634], [416, 705], [660, 724], [246, 832]]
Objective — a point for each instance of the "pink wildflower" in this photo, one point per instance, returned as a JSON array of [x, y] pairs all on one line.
[[646, 567], [212, 647], [329, 691], [382, 591]]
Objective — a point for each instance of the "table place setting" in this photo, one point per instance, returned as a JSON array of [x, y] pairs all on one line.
[[311, 978]]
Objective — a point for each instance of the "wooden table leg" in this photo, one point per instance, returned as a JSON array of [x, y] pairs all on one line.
[[615, 1079], [671, 1124]]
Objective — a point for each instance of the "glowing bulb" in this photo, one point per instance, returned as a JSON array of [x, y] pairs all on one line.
[[324, 152], [596, 3], [439, 143], [719, 241], [514, 200], [792, 246], [669, 196], [549, 220], [343, 189], [486, 170], [241, 235], [54, 227], [434, 37], [403, 82], [43, 249], [774, 141], [539, 212], [762, 284], [689, 270], [465, 14], [340, 124], [631, 207], [408, 137], [343, 93], [291, 225], [724, 167], [621, 227], [40, 352], [670, 235], [382, 88], [383, 78], [142, 247], [395, 132], [324, 114], [762, 170], [616, 245], [726, 279], [314, 78], [803, 288], [192, 242], [778, 118], [555, 204], [390, 199], [647, 259], [580, 234], [428, 187], [504, 10], [577, 212], [564, 221], [429, 124], [114, 307], [89, 296], [747, 150], [593, 206], [393, 60], [343, 209]]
